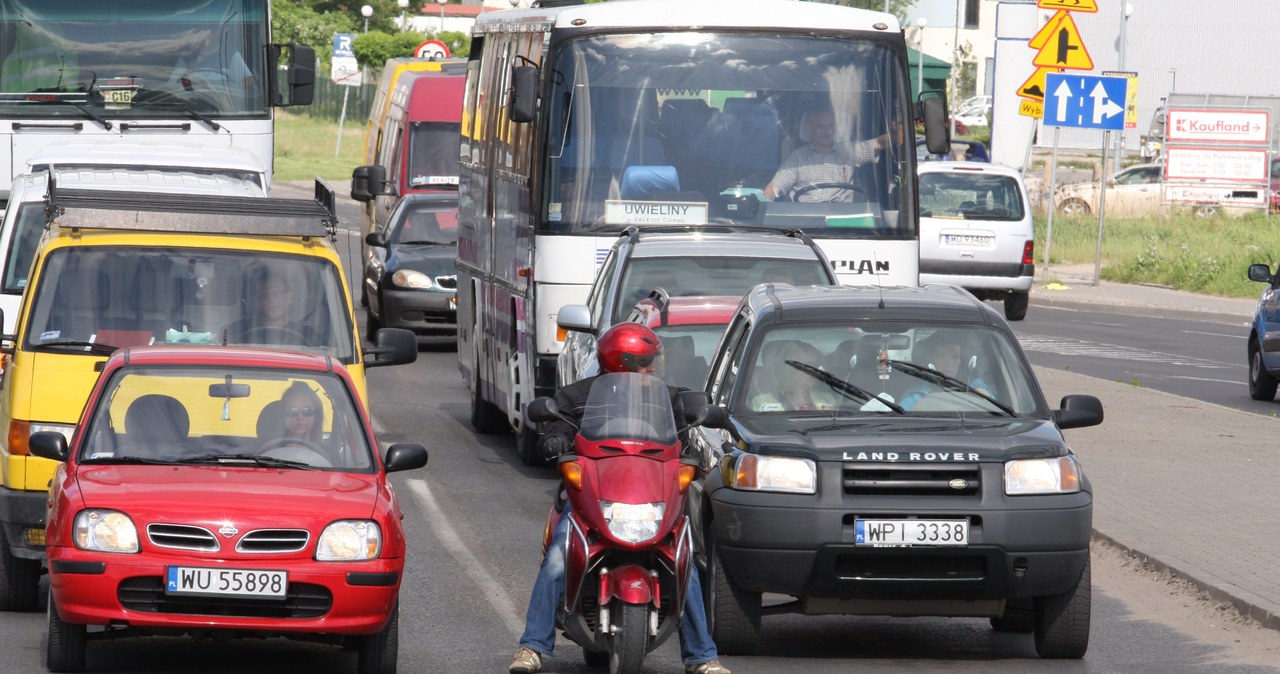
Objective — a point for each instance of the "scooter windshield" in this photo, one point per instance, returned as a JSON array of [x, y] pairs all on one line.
[[629, 406]]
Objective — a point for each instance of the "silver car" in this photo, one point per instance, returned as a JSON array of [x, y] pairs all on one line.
[[976, 231]]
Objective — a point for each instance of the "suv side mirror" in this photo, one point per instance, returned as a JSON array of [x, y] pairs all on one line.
[[1078, 411], [575, 317], [392, 346]]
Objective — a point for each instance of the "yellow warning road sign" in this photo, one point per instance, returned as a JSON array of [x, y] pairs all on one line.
[[1032, 109], [1064, 48], [1041, 37], [1034, 86], [1069, 5]]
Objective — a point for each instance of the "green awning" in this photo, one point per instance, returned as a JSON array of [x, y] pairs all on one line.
[[936, 72]]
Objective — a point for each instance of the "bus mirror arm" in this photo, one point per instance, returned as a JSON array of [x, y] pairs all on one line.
[[301, 77]]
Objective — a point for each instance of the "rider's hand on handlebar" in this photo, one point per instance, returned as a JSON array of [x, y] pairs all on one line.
[[552, 446]]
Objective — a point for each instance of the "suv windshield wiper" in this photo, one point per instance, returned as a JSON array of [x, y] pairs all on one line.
[[947, 381], [844, 387], [271, 461], [91, 347]]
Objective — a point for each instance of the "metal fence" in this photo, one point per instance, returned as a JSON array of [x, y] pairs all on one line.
[[327, 103]]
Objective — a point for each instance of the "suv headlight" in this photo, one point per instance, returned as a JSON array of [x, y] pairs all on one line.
[[633, 522], [105, 531], [349, 541], [414, 280], [789, 474], [1058, 475]]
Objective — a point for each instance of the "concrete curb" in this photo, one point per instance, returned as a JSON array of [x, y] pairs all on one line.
[[1243, 602]]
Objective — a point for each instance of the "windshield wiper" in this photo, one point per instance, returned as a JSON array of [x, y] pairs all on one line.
[[844, 387], [128, 459], [75, 104], [947, 381], [271, 461], [91, 347], [428, 243]]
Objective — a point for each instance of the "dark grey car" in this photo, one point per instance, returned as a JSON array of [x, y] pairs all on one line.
[[410, 279], [889, 452]]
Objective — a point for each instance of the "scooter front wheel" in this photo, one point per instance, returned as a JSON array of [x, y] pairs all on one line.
[[630, 639]]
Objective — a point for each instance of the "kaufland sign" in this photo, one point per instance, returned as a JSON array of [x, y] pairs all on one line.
[[1218, 126]]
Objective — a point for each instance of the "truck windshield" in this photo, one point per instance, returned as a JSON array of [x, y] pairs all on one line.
[[131, 296], [133, 60], [689, 128]]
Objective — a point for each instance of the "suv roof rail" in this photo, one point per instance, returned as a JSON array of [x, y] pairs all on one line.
[[204, 214]]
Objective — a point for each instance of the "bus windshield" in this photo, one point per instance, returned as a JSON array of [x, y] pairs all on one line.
[[140, 59], [689, 128]]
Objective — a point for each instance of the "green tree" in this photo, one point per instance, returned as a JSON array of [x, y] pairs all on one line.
[[314, 22]]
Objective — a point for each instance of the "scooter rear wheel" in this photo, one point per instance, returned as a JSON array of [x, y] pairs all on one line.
[[630, 638]]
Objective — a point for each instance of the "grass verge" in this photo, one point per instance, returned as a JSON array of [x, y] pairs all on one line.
[[305, 148]]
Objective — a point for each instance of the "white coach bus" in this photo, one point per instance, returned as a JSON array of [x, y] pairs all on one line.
[[581, 120]]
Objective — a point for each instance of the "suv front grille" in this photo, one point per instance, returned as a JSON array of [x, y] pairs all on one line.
[[182, 537], [912, 479]]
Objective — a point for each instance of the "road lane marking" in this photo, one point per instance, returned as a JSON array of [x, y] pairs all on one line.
[[490, 587], [1062, 346], [1216, 381], [1214, 334]]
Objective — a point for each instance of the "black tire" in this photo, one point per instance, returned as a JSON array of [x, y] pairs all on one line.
[[527, 446], [630, 640], [733, 614], [19, 580], [1015, 306], [1074, 207], [379, 652], [1019, 616], [1062, 620], [65, 649], [595, 658], [486, 418], [1262, 386]]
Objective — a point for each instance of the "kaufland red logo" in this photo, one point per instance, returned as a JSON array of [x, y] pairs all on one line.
[[1217, 127]]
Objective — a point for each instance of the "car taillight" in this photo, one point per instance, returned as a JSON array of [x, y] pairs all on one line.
[[1029, 253]]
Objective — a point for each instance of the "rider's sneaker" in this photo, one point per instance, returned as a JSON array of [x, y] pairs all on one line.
[[528, 661], [713, 667]]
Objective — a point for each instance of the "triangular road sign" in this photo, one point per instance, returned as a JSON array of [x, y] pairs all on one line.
[[1034, 86], [1069, 5], [1042, 36], [1064, 48]]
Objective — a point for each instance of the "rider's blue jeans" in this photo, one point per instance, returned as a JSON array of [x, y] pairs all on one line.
[[696, 646]]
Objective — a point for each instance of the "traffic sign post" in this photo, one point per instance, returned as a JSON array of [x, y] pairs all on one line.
[[345, 71]]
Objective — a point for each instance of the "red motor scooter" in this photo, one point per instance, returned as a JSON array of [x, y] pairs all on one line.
[[629, 551]]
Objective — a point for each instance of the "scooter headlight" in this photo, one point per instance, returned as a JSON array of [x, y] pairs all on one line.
[[633, 522]]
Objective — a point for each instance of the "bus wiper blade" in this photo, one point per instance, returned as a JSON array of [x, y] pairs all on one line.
[[202, 118], [947, 381], [844, 387], [91, 347], [48, 99], [91, 115]]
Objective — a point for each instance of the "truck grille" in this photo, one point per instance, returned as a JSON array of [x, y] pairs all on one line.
[[912, 479], [146, 594], [274, 540], [182, 537]]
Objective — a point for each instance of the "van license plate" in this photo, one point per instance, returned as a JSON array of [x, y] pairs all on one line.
[[967, 240], [903, 533]]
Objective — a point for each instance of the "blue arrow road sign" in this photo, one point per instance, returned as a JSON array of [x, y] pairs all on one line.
[[1085, 101]]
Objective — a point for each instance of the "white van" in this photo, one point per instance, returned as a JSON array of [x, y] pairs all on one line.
[[154, 171], [976, 231]]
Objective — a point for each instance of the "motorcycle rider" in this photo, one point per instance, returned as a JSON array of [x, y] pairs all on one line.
[[626, 347]]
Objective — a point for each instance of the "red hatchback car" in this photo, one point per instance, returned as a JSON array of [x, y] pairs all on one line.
[[690, 329], [227, 491]]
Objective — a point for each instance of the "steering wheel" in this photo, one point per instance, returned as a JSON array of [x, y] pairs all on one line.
[[799, 190], [290, 335], [306, 446]]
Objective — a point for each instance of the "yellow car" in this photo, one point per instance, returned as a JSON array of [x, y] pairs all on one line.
[[124, 269]]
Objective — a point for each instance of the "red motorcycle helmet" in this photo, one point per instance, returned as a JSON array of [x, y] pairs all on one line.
[[627, 347]]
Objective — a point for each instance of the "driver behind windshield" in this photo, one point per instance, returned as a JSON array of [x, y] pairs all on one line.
[[271, 322], [822, 161]]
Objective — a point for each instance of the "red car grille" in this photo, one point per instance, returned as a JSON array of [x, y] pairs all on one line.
[[146, 594]]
